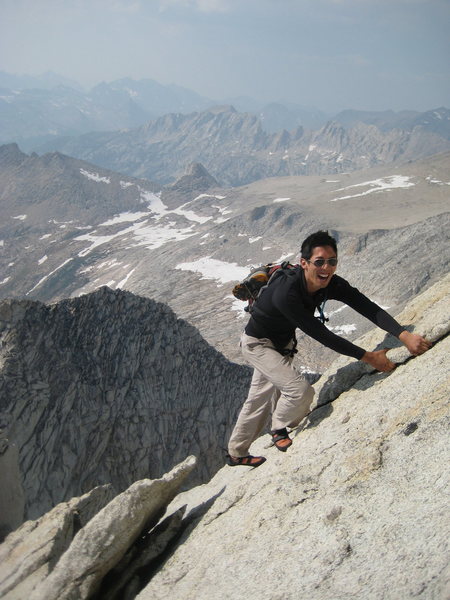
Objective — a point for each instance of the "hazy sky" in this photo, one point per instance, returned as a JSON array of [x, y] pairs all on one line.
[[330, 54]]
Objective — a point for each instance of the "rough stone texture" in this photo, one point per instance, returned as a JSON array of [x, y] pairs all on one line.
[[29, 553], [136, 564], [236, 150], [102, 542], [357, 507], [12, 499], [109, 388], [427, 315]]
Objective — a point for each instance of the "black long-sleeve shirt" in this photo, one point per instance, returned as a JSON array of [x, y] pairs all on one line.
[[285, 304]]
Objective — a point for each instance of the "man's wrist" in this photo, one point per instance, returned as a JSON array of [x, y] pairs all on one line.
[[366, 357]]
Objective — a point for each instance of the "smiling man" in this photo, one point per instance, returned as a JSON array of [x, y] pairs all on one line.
[[268, 344]]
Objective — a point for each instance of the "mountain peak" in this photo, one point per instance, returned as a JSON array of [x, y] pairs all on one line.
[[222, 108], [10, 154]]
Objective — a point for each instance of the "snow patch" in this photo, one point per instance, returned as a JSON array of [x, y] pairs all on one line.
[[124, 217], [238, 307], [49, 275], [209, 196], [377, 185], [343, 329], [43, 259], [437, 181], [217, 270], [123, 282], [20, 217], [95, 177], [125, 184], [280, 200]]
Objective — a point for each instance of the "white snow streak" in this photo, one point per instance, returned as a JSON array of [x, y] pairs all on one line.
[[280, 200], [20, 217], [343, 329], [437, 181], [238, 306], [378, 185], [217, 270], [49, 275], [123, 282], [95, 177], [124, 217]]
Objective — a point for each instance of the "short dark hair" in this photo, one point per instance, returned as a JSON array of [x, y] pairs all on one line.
[[319, 238]]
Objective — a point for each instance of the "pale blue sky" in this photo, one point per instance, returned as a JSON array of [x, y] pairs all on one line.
[[330, 54]]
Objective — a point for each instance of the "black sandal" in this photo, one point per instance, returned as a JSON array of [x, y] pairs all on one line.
[[281, 439], [248, 461]]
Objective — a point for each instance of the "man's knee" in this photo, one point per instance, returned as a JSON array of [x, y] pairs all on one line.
[[298, 388]]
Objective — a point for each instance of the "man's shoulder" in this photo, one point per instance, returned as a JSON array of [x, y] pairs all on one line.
[[338, 285]]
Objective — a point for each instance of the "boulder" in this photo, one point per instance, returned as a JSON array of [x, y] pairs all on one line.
[[29, 553], [105, 539]]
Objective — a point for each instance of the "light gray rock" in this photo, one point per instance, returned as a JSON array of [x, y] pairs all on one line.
[[426, 315], [29, 553], [357, 507], [126, 575], [102, 542]]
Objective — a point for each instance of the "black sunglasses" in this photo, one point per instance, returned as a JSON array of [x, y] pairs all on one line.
[[319, 262]]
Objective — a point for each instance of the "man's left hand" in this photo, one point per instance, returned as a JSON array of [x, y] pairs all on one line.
[[415, 343]]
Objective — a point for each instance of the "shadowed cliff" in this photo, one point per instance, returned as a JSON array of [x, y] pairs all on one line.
[[106, 388]]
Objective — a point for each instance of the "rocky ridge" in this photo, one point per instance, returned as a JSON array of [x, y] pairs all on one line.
[[105, 388], [356, 508], [236, 150]]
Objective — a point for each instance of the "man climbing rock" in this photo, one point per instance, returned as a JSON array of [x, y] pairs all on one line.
[[268, 344]]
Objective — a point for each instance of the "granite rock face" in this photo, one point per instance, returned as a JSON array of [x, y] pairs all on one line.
[[106, 388], [68, 552], [357, 507], [105, 539], [29, 553]]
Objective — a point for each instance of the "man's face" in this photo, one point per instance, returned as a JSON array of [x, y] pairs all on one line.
[[318, 277]]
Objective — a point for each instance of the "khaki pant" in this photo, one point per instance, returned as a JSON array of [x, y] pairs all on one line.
[[275, 388]]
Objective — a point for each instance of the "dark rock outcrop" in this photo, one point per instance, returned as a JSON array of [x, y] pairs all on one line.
[[109, 388]]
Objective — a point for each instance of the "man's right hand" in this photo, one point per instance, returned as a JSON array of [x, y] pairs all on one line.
[[378, 360]]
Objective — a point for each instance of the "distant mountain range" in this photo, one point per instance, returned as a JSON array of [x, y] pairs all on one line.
[[236, 150], [36, 110]]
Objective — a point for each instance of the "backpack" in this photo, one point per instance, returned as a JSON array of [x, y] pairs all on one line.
[[250, 287]]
